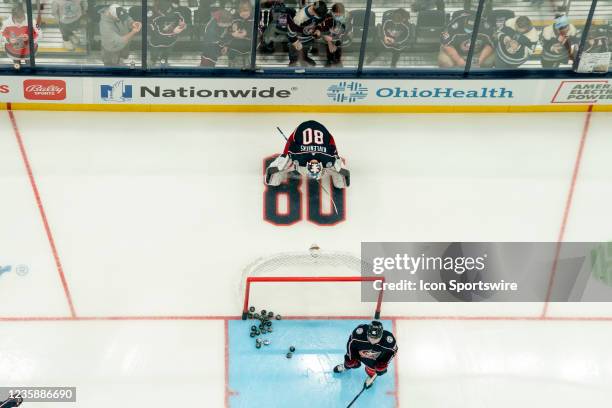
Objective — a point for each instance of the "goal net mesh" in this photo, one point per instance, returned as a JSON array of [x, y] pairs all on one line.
[[309, 286]]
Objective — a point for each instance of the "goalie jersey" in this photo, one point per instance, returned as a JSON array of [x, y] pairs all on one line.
[[311, 140], [374, 356]]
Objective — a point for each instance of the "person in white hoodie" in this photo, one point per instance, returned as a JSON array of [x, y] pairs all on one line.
[[68, 14], [16, 36]]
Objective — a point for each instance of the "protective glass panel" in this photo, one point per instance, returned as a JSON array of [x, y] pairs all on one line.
[[89, 33], [597, 52], [321, 34], [222, 35], [537, 33]]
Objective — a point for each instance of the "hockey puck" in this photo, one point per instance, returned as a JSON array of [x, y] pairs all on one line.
[[292, 349], [278, 317], [257, 345], [256, 315], [266, 342], [264, 313], [253, 328], [250, 315], [257, 333], [253, 334], [252, 309], [289, 355], [270, 315], [264, 331], [268, 323]]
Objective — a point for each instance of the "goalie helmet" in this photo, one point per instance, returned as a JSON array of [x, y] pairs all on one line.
[[375, 332], [315, 169]]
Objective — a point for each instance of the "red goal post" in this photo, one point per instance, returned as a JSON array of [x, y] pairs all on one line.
[[317, 279]]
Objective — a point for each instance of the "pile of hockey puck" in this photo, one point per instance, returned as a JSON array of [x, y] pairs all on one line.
[[264, 327]]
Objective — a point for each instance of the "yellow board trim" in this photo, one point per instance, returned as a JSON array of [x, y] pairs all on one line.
[[307, 108]]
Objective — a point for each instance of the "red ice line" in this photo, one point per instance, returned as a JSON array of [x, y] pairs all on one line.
[[566, 211], [26, 319], [41, 209]]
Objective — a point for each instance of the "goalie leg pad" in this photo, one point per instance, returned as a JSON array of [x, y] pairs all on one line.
[[274, 177], [341, 176], [277, 171], [341, 179]]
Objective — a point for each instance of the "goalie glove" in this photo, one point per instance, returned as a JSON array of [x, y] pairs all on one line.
[[276, 171], [341, 176]]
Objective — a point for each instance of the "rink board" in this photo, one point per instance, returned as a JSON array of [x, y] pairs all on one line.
[[267, 378], [324, 95]]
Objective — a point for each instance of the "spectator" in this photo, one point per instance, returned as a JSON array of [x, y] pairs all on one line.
[[184, 11], [201, 17], [559, 41], [68, 14], [214, 35], [238, 37], [395, 34], [165, 25], [274, 25], [515, 42], [303, 30], [16, 36], [457, 38], [116, 31], [334, 30]]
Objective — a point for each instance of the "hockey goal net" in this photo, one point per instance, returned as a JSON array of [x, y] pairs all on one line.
[[312, 283]]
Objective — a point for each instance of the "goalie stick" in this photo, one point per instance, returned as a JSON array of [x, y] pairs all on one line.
[[281, 132], [330, 196], [321, 184]]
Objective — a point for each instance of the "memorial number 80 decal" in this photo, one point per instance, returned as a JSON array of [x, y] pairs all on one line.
[[292, 190]]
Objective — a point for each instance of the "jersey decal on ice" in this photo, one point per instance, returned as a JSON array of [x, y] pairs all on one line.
[[315, 195], [315, 204], [291, 189], [372, 355]]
